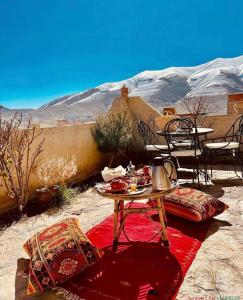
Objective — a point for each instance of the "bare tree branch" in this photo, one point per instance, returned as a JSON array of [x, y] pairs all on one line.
[[17, 158], [199, 107]]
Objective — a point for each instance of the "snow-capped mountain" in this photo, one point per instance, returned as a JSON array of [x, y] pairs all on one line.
[[214, 79]]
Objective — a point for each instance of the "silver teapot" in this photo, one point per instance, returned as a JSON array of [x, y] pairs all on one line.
[[163, 172], [130, 169]]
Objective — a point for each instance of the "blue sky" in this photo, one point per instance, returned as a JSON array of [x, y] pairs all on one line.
[[52, 48]]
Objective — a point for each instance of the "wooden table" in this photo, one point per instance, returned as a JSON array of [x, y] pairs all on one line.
[[123, 212]]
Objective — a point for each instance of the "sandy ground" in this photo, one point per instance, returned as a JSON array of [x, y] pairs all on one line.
[[216, 271]]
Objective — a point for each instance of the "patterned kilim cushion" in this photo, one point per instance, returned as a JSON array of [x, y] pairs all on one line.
[[58, 253], [192, 204]]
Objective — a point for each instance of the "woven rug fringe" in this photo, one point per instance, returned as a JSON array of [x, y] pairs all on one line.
[[66, 294]]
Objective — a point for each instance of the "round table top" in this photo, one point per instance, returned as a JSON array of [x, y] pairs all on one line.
[[148, 193], [200, 131]]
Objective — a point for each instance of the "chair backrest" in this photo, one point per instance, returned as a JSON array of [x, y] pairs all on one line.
[[149, 137], [178, 133], [235, 132], [240, 131], [178, 130]]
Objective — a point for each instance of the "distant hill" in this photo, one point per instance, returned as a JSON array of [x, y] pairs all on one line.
[[214, 79]]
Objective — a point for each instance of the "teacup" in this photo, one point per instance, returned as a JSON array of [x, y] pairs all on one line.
[[117, 184]]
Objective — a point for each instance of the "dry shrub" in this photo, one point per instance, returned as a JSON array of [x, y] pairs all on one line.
[[19, 150]]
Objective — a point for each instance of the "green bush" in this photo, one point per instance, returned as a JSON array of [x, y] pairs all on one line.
[[66, 195], [113, 133]]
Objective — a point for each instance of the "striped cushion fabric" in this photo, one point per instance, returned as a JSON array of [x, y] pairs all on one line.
[[192, 204], [58, 253]]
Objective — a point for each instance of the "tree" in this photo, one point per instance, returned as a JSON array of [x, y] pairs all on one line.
[[199, 107], [18, 153]]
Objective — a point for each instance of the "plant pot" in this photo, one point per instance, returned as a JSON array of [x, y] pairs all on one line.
[[46, 196]]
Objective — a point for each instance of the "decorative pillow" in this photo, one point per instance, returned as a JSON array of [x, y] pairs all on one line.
[[57, 253], [192, 204]]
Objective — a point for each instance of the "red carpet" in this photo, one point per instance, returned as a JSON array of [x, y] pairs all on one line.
[[138, 270]]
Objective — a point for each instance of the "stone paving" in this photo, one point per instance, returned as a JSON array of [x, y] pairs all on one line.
[[216, 271]]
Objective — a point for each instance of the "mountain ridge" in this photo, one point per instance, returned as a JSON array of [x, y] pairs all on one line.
[[214, 79], [218, 76]]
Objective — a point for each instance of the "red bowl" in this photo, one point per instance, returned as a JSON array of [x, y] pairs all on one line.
[[117, 185]]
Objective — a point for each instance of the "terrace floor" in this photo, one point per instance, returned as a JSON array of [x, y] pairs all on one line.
[[216, 271]]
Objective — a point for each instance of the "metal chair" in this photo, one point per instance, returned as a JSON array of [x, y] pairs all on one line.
[[185, 144], [151, 142], [229, 145]]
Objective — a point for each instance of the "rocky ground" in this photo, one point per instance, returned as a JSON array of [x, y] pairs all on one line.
[[216, 271]]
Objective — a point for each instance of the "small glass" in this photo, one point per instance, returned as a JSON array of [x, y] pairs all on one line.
[[146, 170], [133, 184]]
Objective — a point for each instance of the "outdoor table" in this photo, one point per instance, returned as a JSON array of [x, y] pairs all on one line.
[[199, 131], [195, 133], [120, 209]]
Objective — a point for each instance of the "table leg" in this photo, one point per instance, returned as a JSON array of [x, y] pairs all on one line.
[[163, 210], [122, 213], [115, 240], [161, 219]]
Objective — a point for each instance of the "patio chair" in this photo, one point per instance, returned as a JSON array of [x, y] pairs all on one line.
[[225, 147], [151, 141], [178, 133]]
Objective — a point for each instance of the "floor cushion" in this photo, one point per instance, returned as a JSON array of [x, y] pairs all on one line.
[[192, 204], [58, 253]]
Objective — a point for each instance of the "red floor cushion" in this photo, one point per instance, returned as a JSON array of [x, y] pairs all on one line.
[[58, 253], [192, 204]]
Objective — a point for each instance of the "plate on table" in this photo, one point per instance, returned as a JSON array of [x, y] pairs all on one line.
[[144, 185], [137, 192], [114, 191]]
